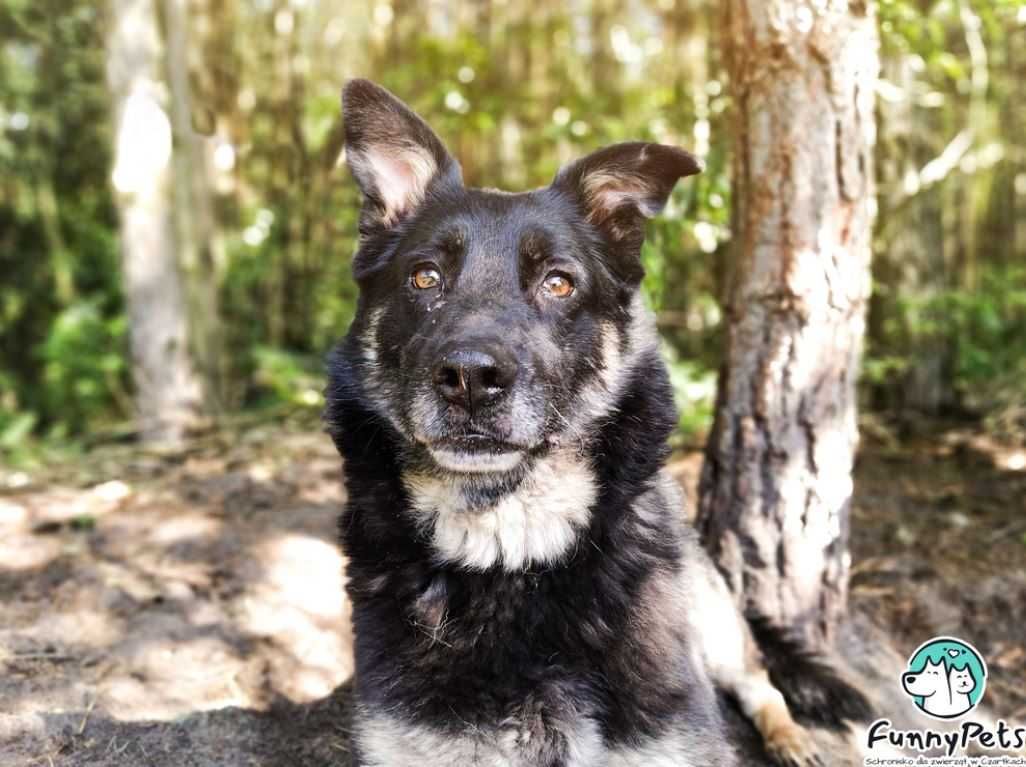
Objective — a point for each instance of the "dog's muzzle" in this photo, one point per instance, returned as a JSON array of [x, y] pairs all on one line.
[[475, 378]]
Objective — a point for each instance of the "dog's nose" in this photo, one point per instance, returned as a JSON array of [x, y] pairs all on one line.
[[910, 678], [473, 378]]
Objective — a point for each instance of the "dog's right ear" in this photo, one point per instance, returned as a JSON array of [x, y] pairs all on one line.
[[394, 156], [620, 186]]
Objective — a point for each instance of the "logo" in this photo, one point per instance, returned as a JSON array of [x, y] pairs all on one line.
[[945, 677]]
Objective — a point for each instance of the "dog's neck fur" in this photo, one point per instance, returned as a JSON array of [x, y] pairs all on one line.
[[532, 522]]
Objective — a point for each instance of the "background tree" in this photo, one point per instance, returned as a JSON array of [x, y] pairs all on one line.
[[776, 487], [167, 389], [200, 245]]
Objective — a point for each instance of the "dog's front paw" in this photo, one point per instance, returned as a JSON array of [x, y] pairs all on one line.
[[791, 745]]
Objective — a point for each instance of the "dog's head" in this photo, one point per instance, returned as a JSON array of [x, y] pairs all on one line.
[[491, 325]]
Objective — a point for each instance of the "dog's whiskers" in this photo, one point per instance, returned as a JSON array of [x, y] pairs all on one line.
[[574, 430]]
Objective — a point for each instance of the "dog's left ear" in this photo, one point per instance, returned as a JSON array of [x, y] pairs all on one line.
[[393, 154], [620, 186]]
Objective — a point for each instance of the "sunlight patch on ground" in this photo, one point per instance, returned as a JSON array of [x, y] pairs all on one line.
[[185, 527], [64, 504], [81, 626], [17, 553], [300, 604], [172, 677], [113, 491], [1014, 461], [12, 515], [215, 584], [307, 573]]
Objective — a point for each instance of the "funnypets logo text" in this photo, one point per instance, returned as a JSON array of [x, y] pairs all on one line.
[[945, 680]]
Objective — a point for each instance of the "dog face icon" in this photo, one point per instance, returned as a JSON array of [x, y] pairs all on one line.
[[945, 678], [926, 683]]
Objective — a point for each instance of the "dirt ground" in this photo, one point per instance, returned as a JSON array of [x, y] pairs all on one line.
[[939, 548], [188, 609]]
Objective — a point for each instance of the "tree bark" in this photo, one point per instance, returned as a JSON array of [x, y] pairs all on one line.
[[776, 486], [167, 390]]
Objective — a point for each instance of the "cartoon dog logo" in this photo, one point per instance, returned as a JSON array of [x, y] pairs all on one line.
[[946, 678]]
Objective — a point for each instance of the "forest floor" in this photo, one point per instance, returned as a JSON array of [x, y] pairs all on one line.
[[187, 608]]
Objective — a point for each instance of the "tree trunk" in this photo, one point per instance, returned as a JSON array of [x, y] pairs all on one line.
[[199, 244], [776, 487], [168, 393]]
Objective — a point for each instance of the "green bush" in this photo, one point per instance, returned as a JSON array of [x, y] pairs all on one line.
[[84, 367], [978, 336], [285, 378]]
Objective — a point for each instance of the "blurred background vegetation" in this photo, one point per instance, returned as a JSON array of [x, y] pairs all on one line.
[[515, 90]]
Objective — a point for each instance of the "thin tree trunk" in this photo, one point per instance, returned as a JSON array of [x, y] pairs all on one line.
[[776, 487], [199, 241], [168, 392]]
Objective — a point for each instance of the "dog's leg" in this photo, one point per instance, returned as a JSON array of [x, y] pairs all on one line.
[[734, 663], [786, 741]]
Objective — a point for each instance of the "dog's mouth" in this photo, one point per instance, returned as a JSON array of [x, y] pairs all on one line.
[[476, 454]]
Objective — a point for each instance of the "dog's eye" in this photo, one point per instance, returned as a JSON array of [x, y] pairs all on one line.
[[425, 278], [558, 285]]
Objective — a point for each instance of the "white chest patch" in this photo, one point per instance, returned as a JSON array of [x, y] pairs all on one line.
[[535, 524]]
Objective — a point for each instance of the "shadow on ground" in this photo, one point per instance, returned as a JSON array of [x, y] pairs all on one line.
[[286, 735]]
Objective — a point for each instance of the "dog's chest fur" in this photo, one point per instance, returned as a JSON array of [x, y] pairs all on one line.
[[539, 666]]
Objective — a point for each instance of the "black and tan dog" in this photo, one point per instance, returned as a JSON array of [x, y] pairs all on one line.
[[525, 589]]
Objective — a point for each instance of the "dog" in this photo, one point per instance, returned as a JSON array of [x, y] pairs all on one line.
[[525, 589]]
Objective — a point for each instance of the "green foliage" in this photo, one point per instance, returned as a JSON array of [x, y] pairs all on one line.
[[980, 336], [515, 93], [84, 369], [946, 324], [284, 378], [15, 427], [988, 329], [61, 327], [694, 390]]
